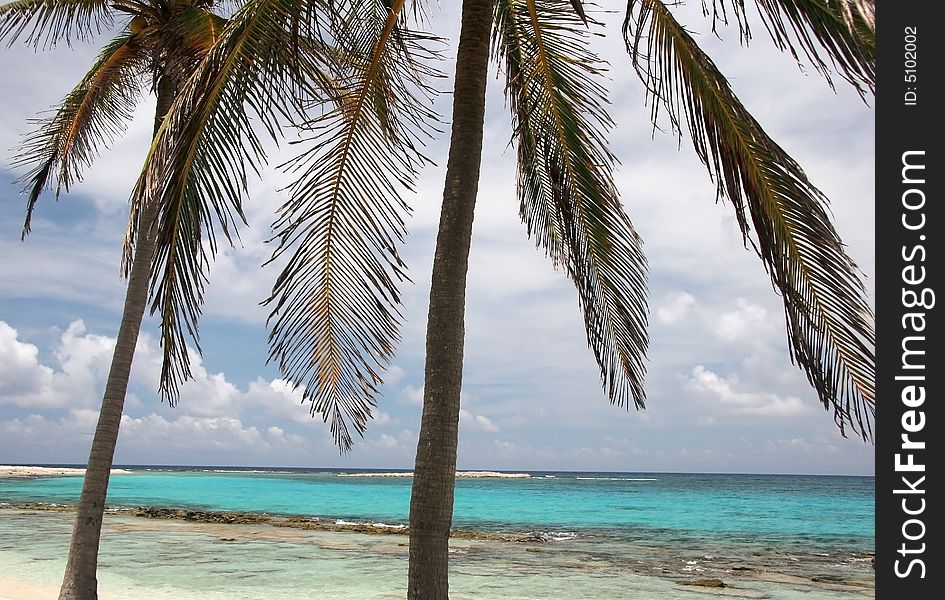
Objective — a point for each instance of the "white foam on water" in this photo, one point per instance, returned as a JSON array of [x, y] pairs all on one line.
[[617, 478]]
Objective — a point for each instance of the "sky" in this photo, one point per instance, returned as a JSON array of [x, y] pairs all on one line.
[[722, 395]]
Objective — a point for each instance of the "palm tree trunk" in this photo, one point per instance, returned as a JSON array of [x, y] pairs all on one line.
[[431, 501], [80, 581]]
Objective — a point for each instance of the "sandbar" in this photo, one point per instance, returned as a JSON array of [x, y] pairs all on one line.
[[27, 471]]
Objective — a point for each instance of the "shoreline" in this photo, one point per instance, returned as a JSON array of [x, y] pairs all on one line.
[[40, 471], [32, 471]]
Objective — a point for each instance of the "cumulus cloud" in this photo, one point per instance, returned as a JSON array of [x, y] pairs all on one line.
[[403, 440], [410, 395], [382, 419], [394, 375], [744, 322], [413, 396], [38, 438], [193, 434], [82, 359], [215, 417], [81, 363], [724, 394], [675, 307], [22, 379], [213, 440], [476, 422]]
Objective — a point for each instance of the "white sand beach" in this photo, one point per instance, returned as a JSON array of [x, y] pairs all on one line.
[[26, 471], [18, 589], [15, 589]]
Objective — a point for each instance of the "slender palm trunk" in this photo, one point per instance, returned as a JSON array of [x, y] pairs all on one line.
[[431, 501], [80, 581]]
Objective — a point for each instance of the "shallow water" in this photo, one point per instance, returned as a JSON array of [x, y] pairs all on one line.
[[601, 536], [144, 558]]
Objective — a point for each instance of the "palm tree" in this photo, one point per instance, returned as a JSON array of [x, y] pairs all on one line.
[[431, 502], [335, 304], [570, 205], [159, 43]]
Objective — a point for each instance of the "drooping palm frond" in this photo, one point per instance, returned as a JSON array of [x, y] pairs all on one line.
[[565, 183], [197, 167], [830, 327], [833, 35], [335, 316], [90, 117], [46, 22]]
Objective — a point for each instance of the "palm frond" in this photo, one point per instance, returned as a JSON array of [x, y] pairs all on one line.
[[865, 12], [90, 117], [198, 164], [46, 22], [335, 316], [830, 327], [832, 35], [565, 183], [578, 6], [190, 33]]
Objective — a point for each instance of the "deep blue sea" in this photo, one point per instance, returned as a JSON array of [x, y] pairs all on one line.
[[772, 530]]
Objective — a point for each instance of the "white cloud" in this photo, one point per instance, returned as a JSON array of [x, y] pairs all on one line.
[[410, 395], [83, 362], [381, 419], [22, 378], [84, 358], [277, 399], [674, 307], [395, 448], [725, 395], [745, 322], [388, 441], [476, 422], [193, 434], [37, 438], [393, 376]]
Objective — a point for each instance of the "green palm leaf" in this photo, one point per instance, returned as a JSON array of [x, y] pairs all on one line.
[[46, 22], [335, 316], [565, 183], [197, 167], [91, 115], [830, 326]]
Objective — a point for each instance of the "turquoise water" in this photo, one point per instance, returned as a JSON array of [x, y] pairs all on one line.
[[790, 506], [777, 536]]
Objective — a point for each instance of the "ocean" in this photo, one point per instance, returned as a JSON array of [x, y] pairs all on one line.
[[574, 535]]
